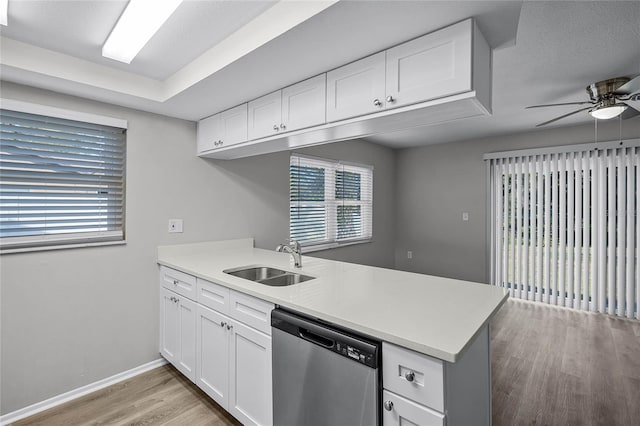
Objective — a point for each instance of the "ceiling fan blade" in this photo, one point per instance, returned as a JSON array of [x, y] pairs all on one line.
[[567, 103], [629, 113], [634, 104], [631, 86], [562, 116]]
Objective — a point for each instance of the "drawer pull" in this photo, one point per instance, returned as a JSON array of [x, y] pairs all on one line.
[[410, 376], [388, 405], [222, 323], [175, 282]]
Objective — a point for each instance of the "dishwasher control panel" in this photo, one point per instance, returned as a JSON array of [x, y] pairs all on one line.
[[362, 356]]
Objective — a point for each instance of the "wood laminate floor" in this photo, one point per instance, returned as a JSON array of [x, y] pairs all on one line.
[[555, 366], [550, 366], [161, 396]]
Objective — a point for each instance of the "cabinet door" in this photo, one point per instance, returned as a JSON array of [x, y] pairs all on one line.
[[169, 326], [356, 89], [250, 398], [265, 115], [233, 125], [186, 361], [303, 104], [212, 355], [429, 67], [209, 133], [401, 411]]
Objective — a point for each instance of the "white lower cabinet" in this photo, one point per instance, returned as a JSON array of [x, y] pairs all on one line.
[[226, 351], [401, 411], [422, 390], [250, 399], [178, 332], [212, 356]]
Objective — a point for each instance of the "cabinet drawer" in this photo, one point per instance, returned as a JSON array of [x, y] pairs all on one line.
[[251, 311], [413, 375], [213, 295], [405, 412], [181, 283]]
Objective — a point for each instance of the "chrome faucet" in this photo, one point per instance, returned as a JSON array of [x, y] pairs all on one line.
[[293, 248]]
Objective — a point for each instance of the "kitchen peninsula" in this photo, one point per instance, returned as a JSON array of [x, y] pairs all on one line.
[[434, 330]]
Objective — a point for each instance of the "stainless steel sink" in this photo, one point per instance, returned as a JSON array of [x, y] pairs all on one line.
[[286, 279], [255, 273], [268, 276]]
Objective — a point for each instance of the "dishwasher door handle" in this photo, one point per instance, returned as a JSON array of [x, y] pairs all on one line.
[[315, 338]]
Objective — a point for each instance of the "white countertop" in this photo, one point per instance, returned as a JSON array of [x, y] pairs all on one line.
[[432, 315]]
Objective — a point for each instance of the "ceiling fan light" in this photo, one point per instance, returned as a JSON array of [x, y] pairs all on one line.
[[138, 23], [605, 113]]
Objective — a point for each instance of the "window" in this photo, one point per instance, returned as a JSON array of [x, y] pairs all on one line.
[[565, 226], [61, 178], [331, 202]]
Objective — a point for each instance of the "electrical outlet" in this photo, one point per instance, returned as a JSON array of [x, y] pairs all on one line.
[[409, 254], [175, 225], [465, 216]]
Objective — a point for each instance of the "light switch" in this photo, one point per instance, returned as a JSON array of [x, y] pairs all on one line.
[[465, 216], [409, 254], [175, 225]]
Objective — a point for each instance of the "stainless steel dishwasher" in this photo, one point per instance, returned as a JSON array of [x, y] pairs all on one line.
[[323, 375]]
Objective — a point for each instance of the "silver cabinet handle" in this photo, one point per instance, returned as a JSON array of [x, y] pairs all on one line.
[[282, 126], [220, 143], [410, 376], [222, 323], [275, 127], [390, 99], [229, 326], [388, 405], [376, 102], [175, 282]]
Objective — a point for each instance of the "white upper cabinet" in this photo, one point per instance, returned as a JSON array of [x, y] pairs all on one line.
[[224, 129], [357, 88], [265, 115], [292, 108], [233, 124], [429, 67], [209, 133], [303, 104]]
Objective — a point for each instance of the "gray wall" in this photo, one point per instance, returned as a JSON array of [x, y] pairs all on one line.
[[72, 317], [437, 183]]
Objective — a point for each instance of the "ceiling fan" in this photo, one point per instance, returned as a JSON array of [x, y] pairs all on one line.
[[608, 99]]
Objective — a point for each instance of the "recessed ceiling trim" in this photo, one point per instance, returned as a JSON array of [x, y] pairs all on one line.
[[41, 61], [274, 22]]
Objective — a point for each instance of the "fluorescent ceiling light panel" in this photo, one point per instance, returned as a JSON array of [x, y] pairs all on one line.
[[137, 24], [4, 12]]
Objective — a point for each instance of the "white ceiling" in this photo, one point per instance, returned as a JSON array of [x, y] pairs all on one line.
[[214, 54]]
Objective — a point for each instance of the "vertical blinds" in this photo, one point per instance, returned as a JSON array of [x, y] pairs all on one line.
[[565, 227], [61, 181], [331, 202]]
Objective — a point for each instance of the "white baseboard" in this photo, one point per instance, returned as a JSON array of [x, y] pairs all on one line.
[[76, 393]]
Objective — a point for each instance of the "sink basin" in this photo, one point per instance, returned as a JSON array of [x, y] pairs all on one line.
[[285, 280], [268, 276], [255, 273]]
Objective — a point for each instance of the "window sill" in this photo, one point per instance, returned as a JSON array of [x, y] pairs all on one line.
[[329, 246], [4, 251]]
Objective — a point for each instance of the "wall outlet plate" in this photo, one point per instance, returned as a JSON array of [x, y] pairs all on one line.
[[175, 225]]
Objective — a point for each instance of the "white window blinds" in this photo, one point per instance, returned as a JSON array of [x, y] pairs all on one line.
[[61, 181], [331, 202], [565, 226]]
